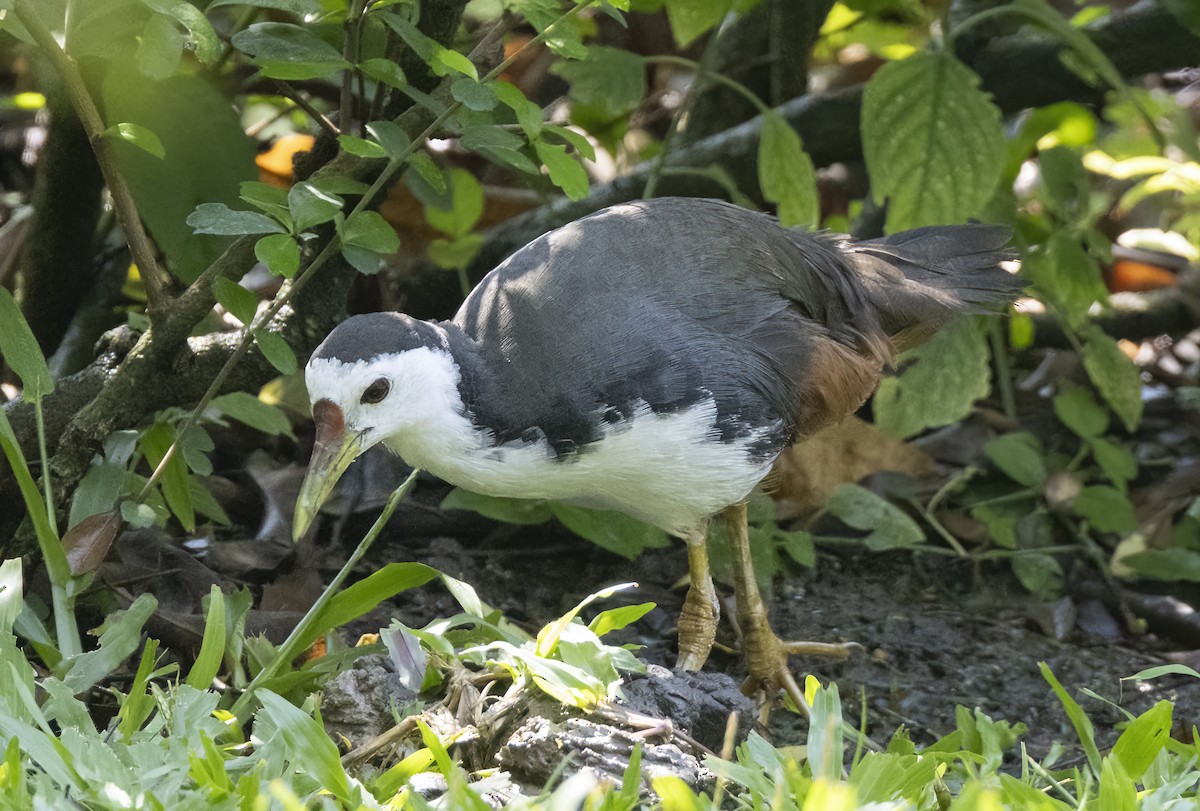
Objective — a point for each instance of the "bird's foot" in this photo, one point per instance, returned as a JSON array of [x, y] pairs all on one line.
[[697, 627], [766, 658]]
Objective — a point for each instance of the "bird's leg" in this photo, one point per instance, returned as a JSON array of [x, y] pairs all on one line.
[[765, 653], [698, 619]]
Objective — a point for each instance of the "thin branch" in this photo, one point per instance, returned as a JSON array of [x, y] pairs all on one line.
[[93, 124], [319, 118]]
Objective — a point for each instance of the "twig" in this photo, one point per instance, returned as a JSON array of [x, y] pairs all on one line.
[[319, 118], [703, 69], [93, 125], [287, 291]]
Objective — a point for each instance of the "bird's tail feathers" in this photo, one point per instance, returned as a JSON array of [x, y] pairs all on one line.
[[919, 279]]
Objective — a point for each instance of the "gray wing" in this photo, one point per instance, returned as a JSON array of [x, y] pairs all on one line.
[[668, 302]]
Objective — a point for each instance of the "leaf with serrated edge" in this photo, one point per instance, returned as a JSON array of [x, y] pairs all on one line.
[[940, 382], [932, 141], [786, 174]]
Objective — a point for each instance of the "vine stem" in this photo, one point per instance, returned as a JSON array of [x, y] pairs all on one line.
[[664, 59], [703, 70], [287, 291], [93, 124]]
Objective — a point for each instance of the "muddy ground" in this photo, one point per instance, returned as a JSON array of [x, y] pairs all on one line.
[[936, 632]]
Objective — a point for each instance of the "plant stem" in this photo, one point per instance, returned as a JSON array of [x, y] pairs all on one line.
[[293, 645], [93, 124], [1003, 369], [703, 69], [287, 291], [45, 460], [719, 78]]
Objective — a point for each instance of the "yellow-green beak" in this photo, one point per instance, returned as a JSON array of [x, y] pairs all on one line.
[[333, 452]]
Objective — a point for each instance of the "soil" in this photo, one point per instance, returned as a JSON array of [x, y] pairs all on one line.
[[936, 633]]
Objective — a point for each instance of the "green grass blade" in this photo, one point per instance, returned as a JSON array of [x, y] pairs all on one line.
[[212, 649]]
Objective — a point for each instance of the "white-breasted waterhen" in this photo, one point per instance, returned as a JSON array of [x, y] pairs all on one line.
[[652, 358]]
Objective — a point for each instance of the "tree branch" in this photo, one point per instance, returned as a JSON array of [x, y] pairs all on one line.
[[1019, 70], [93, 124]]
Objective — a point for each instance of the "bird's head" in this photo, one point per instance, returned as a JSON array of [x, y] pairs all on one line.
[[374, 379]]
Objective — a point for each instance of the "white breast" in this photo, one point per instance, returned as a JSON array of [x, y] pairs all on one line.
[[670, 470]]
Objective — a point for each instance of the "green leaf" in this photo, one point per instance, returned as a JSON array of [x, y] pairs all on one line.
[[362, 597], [391, 137], [614, 531], [1171, 565], [939, 383], [452, 254], [385, 71], [212, 647], [932, 141], [890, 527], [1106, 508], [1143, 739], [1041, 574], [614, 619], [311, 206], [363, 260], [1019, 456], [122, 636], [207, 44], [529, 115], [1079, 411], [239, 302], [1116, 376], [97, 492], [21, 351], [160, 48], [301, 8], [565, 171], [267, 198], [786, 174], [473, 94], [508, 510], [138, 516], [221, 220], [1078, 718], [446, 61], [611, 82], [306, 744], [249, 410], [207, 155], [1118, 463], [285, 42], [576, 139], [276, 351], [466, 205], [691, 18], [280, 253], [1163, 670], [367, 229], [11, 596], [361, 147], [1067, 276], [174, 480]]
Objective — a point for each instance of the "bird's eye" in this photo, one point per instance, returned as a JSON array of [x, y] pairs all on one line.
[[377, 391]]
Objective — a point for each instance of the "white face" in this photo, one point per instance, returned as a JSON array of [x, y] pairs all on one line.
[[388, 395]]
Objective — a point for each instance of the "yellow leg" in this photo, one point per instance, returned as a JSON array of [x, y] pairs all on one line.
[[765, 653], [698, 619]]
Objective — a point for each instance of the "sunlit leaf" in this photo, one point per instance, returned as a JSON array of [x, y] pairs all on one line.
[[932, 141]]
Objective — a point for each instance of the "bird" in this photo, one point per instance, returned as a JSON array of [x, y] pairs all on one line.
[[653, 358]]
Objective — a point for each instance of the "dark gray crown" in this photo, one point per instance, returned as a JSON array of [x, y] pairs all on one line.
[[363, 337]]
